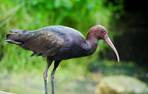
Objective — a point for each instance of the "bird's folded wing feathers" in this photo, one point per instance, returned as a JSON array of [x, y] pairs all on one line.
[[44, 43]]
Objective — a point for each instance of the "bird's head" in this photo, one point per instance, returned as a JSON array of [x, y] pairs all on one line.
[[14, 35], [100, 32]]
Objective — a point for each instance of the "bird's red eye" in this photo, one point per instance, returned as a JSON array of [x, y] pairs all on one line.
[[102, 30]]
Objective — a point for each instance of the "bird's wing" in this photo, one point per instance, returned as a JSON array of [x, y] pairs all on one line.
[[44, 43]]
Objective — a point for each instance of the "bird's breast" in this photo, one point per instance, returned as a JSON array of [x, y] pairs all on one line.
[[73, 50]]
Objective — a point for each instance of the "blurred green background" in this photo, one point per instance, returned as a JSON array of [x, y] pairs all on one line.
[[126, 23]]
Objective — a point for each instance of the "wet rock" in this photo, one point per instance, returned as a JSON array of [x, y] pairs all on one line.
[[121, 85], [2, 92]]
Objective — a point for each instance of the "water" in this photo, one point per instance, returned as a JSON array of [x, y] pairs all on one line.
[[33, 84]]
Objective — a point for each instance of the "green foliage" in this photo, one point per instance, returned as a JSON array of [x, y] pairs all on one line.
[[110, 68], [34, 14]]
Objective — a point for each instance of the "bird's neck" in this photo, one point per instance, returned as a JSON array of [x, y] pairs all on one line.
[[91, 42]]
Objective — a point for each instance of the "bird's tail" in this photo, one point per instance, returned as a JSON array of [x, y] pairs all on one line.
[[16, 37]]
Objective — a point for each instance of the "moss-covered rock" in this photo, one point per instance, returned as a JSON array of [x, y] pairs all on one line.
[[121, 85]]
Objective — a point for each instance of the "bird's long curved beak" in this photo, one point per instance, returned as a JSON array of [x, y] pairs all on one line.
[[109, 42]]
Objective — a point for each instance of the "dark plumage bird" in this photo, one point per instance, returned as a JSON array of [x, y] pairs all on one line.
[[58, 43]]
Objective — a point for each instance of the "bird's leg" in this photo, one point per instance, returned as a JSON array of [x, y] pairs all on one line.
[[45, 75], [56, 63]]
